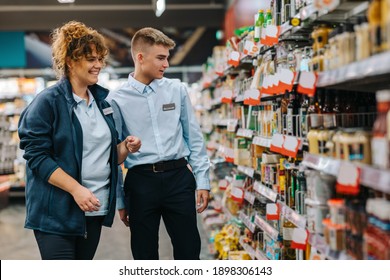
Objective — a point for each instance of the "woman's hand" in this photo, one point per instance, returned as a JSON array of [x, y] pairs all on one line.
[[85, 199]]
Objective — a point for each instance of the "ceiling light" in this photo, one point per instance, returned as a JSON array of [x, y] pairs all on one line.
[[66, 1], [159, 7]]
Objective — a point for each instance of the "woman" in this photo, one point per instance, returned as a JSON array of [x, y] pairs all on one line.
[[72, 150]]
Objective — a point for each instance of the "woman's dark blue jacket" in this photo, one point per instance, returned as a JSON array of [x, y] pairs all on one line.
[[51, 136]]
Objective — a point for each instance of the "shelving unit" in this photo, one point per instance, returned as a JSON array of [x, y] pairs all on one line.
[[297, 211]]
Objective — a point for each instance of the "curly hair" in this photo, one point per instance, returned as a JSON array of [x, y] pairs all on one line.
[[73, 40]]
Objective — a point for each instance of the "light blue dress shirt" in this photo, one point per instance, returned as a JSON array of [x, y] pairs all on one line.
[[95, 169], [161, 115]]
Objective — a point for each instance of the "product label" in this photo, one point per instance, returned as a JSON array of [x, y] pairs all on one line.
[[302, 114], [289, 121], [380, 152], [315, 120], [329, 120], [356, 152], [322, 147], [288, 233], [257, 32]]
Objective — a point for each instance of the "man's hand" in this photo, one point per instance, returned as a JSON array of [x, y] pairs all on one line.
[[202, 200], [133, 144], [124, 216]]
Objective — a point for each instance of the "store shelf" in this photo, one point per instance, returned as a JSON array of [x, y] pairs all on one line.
[[378, 179], [265, 191], [370, 74], [251, 252], [250, 197], [247, 133], [227, 213], [246, 220], [249, 171], [311, 16], [260, 255], [292, 216], [262, 141], [266, 227]]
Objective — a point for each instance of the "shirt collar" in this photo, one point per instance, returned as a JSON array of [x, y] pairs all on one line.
[[78, 99], [140, 87]]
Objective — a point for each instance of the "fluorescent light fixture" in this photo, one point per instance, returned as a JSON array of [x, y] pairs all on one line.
[[159, 7], [65, 1]]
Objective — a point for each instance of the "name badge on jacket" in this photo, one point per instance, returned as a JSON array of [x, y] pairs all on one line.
[[169, 107], [107, 111]]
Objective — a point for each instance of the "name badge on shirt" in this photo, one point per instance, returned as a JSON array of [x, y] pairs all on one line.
[[169, 107], [107, 111]]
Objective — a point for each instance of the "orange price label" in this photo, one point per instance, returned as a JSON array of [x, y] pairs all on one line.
[[348, 179]]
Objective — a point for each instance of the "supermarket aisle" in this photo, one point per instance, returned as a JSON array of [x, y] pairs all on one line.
[[18, 243]]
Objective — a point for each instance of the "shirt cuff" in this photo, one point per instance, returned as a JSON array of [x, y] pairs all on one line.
[[202, 184], [120, 203]]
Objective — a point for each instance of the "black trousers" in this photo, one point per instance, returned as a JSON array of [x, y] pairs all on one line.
[[63, 247], [170, 195]]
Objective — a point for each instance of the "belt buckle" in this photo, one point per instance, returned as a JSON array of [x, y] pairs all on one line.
[[156, 171]]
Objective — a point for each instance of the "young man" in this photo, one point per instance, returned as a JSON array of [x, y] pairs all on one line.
[[172, 164]]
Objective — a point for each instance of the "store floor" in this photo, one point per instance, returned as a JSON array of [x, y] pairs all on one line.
[[18, 243]]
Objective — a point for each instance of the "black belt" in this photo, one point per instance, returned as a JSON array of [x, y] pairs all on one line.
[[162, 166]]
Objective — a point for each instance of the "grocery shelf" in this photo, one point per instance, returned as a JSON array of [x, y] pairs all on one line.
[[266, 227], [370, 75], [246, 220], [249, 171], [251, 252], [264, 191], [262, 141], [375, 178]]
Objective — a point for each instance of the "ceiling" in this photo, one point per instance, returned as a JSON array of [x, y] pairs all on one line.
[[47, 14], [192, 24]]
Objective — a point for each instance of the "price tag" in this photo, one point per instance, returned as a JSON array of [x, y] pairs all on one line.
[[219, 70], [227, 96], [286, 80], [272, 33], [272, 212], [234, 58], [237, 194], [250, 48], [291, 146], [300, 238], [229, 155], [223, 184], [348, 179], [307, 83], [277, 143], [252, 97], [231, 125]]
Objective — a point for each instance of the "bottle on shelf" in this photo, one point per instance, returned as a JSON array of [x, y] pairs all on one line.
[[380, 142], [374, 20], [292, 114], [259, 25], [288, 253], [303, 110], [329, 117], [268, 17], [314, 113]]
